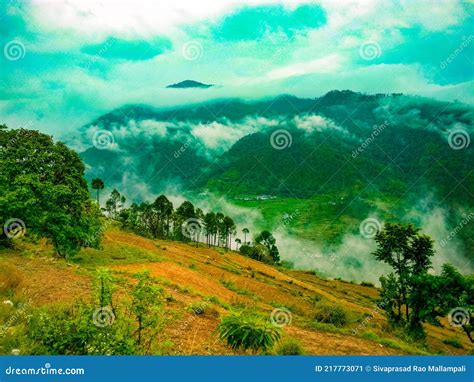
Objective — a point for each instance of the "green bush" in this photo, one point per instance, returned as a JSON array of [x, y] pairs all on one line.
[[72, 331], [367, 284], [331, 314], [454, 342], [248, 332], [290, 346]]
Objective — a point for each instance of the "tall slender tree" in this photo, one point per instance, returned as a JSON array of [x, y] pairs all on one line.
[[237, 243], [98, 184], [245, 231]]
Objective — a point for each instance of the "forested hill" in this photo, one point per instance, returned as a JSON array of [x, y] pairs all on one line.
[[346, 141]]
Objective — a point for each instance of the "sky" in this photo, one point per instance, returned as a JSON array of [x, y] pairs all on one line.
[[64, 63]]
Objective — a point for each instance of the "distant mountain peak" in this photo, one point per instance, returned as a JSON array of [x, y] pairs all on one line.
[[189, 84]]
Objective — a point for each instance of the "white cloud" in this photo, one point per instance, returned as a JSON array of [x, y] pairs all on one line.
[[328, 64], [311, 123]]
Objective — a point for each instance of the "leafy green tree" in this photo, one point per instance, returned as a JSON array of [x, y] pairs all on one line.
[[409, 253], [227, 230], [98, 184], [456, 293], [115, 204], [237, 243], [248, 332], [43, 185], [145, 303], [266, 238], [164, 211], [182, 214], [210, 225], [245, 231]]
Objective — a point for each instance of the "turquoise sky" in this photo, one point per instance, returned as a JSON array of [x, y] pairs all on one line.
[[64, 63]]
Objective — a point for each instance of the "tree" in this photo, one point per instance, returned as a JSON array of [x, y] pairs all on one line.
[[164, 210], [115, 204], [227, 230], [245, 231], [219, 224], [98, 184], [237, 243], [409, 253], [104, 287], [144, 304], [456, 296], [43, 187], [182, 215], [210, 225], [266, 238]]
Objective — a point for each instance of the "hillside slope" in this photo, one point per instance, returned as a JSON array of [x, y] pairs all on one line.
[[223, 282]]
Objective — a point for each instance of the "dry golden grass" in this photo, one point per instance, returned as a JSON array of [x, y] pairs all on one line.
[[193, 275]]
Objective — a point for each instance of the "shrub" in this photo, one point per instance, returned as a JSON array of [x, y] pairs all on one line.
[[290, 346], [454, 342], [367, 284], [71, 331], [198, 308], [248, 332], [331, 314], [10, 279]]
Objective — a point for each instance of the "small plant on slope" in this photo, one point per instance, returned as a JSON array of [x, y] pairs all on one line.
[[248, 332]]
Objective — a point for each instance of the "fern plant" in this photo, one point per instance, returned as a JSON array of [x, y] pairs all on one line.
[[248, 332]]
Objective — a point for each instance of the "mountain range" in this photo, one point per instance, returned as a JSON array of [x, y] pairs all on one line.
[[367, 152]]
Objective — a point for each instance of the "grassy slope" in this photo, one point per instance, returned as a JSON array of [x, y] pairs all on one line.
[[322, 218], [229, 281]]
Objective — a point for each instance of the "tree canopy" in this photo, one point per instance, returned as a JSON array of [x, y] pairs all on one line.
[[43, 187]]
